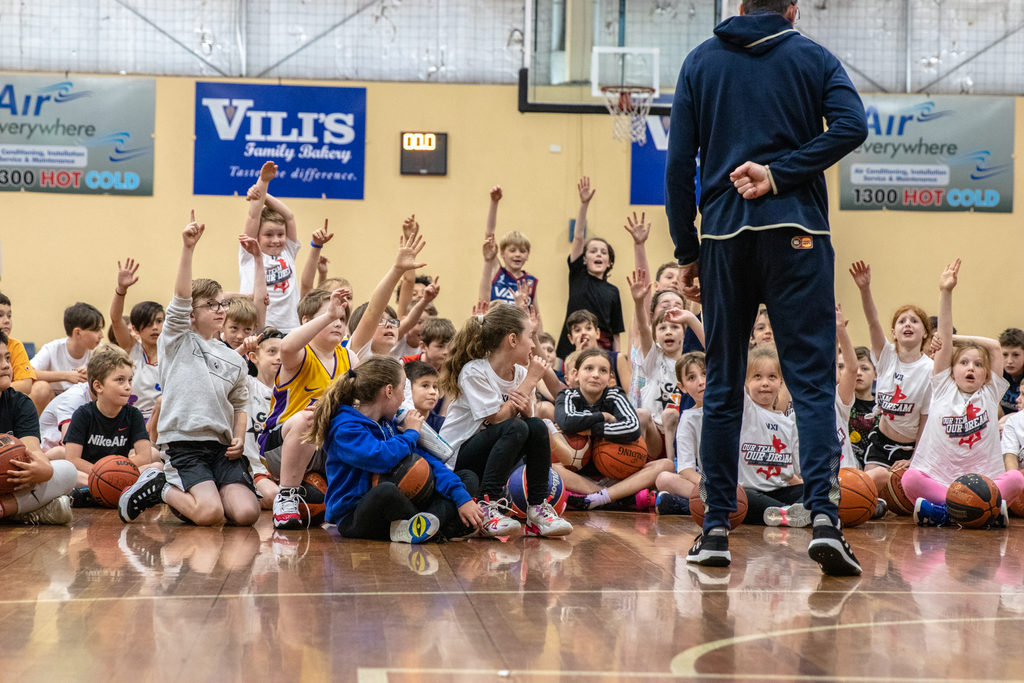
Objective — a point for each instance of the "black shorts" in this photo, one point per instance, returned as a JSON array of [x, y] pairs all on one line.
[[884, 451], [199, 461]]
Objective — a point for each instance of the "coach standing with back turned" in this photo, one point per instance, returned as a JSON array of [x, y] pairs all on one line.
[[751, 100]]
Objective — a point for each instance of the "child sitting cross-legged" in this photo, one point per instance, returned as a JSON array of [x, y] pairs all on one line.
[[604, 412], [354, 424]]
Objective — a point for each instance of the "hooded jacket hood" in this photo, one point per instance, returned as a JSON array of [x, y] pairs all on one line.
[[757, 33]]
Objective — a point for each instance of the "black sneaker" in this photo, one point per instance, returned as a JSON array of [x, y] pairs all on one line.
[[81, 498], [147, 492], [577, 502], [671, 504], [710, 551], [881, 509], [832, 553]]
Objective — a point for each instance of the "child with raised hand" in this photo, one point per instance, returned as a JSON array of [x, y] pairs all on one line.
[[769, 458], [961, 435], [590, 263], [202, 417], [602, 412], [272, 224], [490, 376], [41, 492], [846, 385], [316, 262], [502, 280], [675, 488], [904, 380], [147, 317], [311, 357], [264, 352], [374, 332], [354, 423], [108, 425], [658, 361], [62, 362]]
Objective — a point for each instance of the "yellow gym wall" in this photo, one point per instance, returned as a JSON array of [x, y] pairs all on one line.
[[57, 249]]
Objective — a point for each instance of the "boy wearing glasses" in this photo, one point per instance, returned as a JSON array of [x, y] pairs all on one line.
[[202, 420]]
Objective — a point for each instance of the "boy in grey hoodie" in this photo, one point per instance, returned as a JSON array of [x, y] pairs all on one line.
[[202, 419]]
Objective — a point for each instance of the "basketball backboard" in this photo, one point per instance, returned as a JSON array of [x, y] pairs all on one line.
[[576, 47]]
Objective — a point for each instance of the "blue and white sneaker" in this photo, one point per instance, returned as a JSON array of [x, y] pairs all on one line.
[[419, 529], [670, 504], [930, 514]]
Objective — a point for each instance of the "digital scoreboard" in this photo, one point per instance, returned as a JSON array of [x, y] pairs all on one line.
[[424, 153]]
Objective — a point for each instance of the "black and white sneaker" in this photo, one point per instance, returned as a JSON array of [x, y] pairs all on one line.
[[833, 554], [147, 492], [710, 550]]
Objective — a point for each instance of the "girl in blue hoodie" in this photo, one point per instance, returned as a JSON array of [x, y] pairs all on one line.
[[354, 423]]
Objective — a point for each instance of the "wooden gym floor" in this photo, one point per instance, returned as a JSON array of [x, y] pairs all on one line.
[[615, 601]]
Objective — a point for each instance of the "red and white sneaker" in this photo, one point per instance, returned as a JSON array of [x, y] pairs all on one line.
[[286, 509], [542, 520], [496, 522]]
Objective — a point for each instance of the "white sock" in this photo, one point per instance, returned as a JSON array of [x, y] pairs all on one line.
[[64, 479], [598, 499]]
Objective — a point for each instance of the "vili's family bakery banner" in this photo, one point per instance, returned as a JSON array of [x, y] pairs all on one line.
[[79, 135], [932, 154]]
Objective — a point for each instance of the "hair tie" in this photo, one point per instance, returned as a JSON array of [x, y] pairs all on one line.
[[351, 374]]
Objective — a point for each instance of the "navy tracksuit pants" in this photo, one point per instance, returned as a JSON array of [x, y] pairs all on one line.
[[795, 279]]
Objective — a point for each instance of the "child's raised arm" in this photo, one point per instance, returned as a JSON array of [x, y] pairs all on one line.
[[256, 197], [580, 231], [947, 281], [408, 249], [416, 312], [409, 227], [848, 380], [259, 280], [490, 251], [492, 212], [320, 238], [861, 273], [291, 231], [686, 319], [125, 278], [639, 230], [189, 237], [639, 285]]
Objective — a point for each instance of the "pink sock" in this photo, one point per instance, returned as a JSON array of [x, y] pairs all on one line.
[[1010, 485], [917, 484]]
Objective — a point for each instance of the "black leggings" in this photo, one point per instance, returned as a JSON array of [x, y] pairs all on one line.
[[493, 453], [385, 503], [759, 501]]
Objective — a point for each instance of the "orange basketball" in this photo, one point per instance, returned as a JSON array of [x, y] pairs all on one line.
[[314, 494], [619, 460], [857, 497], [735, 519], [10, 449], [110, 476], [973, 501], [574, 448], [413, 475], [892, 493]]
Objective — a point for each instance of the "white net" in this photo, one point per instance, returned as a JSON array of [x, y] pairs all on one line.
[[629, 106]]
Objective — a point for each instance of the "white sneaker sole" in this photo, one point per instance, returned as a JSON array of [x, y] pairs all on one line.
[[796, 517]]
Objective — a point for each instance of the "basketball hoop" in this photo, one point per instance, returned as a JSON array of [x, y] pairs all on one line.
[[629, 106]]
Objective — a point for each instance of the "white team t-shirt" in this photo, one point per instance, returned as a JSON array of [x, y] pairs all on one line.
[[54, 357], [483, 393], [903, 391], [843, 432], [402, 349], [688, 439], [962, 432], [58, 413], [257, 408], [769, 452], [145, 382], [282, 285], [1013, 437], [660, 389]]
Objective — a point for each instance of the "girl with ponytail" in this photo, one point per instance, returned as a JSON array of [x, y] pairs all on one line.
[[354, 422], [490, 376]]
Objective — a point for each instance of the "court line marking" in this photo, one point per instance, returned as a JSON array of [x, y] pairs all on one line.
[[370, 594], [380, 675], [684, 664]]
